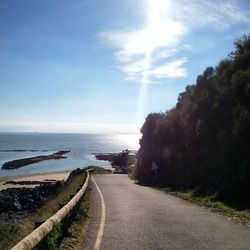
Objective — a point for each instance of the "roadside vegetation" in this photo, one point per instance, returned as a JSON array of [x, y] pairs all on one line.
[[99, 170], [67, 235], [121, 162], [75, 235], [203, 143], [12, 233], [241, 216]]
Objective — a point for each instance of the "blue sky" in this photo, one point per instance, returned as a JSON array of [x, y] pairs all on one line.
[[96, 66]]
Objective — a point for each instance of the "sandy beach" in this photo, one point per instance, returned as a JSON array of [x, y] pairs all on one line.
[[57, 176]]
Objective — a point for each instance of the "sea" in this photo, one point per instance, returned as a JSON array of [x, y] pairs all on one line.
[[83, 148]]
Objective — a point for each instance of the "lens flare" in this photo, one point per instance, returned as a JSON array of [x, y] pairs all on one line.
[[155, 11]]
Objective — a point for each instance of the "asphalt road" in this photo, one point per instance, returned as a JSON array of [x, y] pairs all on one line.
[[138, 217]]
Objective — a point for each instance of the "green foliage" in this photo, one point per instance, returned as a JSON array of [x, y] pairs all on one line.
[[7, 232], [99, 170], [54, 237], [10, 234], [76, 231], [210, 202], [147, 150], [204, 142], [121, 160], [84, 207]]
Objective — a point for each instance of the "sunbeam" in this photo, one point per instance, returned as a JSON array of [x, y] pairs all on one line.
[[156, 9]]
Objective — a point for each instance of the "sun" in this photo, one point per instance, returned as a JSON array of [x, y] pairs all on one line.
[[150, 38]]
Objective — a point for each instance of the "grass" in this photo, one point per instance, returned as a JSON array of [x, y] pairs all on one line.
[[99, 170], [52, 206], [76, 232], [6, 235], [10, 235], [232, 213]]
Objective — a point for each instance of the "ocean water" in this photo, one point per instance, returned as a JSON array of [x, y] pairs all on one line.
[[82, 146]]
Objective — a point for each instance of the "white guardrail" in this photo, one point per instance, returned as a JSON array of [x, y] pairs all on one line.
[[30, 241]]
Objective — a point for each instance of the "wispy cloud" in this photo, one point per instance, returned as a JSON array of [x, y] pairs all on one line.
[[133, 68], [170, 70], [132, 44], [164, 36], [220, 14]]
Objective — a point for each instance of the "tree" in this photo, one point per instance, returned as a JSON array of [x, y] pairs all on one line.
[[121, 161], [206, 136]]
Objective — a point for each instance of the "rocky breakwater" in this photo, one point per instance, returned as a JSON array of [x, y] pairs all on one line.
[[105, 157], [17, 203], [27, 161]]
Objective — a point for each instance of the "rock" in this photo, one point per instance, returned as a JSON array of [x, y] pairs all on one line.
[[27, 161]]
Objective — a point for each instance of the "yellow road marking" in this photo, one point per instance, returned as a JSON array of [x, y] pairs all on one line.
[[102, 222]]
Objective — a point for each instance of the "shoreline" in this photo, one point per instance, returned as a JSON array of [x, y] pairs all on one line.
[[30, 175], [57, 176], [39, 177]]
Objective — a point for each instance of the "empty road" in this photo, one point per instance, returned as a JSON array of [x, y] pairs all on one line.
[[128, 216]]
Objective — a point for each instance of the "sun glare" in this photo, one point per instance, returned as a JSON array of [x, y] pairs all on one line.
[[151, 38]]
